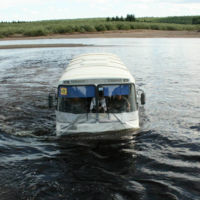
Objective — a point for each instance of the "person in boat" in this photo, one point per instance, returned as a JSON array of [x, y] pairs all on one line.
[[119, 104], [101, 104], [65, 105], [78, 105], [73, 105]]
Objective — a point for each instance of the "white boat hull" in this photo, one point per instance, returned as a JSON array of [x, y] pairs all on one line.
[[122, 121]]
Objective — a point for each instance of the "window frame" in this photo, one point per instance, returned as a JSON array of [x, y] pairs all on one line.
[[96, 87], [101, 85], [74, 86]]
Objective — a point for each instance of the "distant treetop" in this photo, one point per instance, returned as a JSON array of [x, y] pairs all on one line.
[[129, 17]]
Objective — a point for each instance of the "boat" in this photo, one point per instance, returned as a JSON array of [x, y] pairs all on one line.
[[96, 93]]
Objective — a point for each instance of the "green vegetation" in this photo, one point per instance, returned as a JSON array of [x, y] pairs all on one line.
[[129, 18], [172, 20], [40, 28], [196, 20]]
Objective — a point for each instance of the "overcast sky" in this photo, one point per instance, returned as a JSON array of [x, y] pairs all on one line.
[[33, 10]]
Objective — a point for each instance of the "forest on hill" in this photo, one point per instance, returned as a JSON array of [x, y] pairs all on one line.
[[47, 27]]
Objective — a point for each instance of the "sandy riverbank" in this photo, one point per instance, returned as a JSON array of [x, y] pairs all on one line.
[[105, 34]]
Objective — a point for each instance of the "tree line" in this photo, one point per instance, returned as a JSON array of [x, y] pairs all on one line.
[[129, 17], [179, 20], [196, 20], [5, 22]]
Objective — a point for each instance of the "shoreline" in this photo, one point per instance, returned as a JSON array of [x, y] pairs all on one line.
[[21, 46], [134, 33]]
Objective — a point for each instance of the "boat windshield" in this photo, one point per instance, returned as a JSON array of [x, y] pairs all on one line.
[[111, 99], [75, 99], [117, 98]]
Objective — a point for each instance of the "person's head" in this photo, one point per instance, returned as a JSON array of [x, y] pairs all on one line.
[[119, 97], [101, 95]]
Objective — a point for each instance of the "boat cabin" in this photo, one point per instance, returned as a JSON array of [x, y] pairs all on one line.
[[96, 93]]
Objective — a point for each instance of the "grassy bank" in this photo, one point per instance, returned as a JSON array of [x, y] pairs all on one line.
[[40, 28], [173, 20]]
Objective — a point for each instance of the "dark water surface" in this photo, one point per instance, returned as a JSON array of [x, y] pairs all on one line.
[[161, 161]]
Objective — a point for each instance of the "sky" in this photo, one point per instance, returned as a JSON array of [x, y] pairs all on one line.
[[34, 10]]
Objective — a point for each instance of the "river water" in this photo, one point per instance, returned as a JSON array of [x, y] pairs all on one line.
[[161, 161]]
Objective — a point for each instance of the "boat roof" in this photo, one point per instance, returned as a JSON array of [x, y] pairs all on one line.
[[96, 66]]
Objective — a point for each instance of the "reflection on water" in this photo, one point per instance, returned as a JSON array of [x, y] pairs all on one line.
[[161, 161], [106, 42], [139, 42]]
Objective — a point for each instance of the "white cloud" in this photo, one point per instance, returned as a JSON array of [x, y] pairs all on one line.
[[165, 1], [30, 11], [47, 9], [15, 16], [5, 17], [194, 6], [99, 1], [104, 8], [109, 4], [138, 6], [175, 9], [184, 1], [12, 3], [191, 8], [141, 6], [92, 5], [147, 1], [58, 9], [33, 12]]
